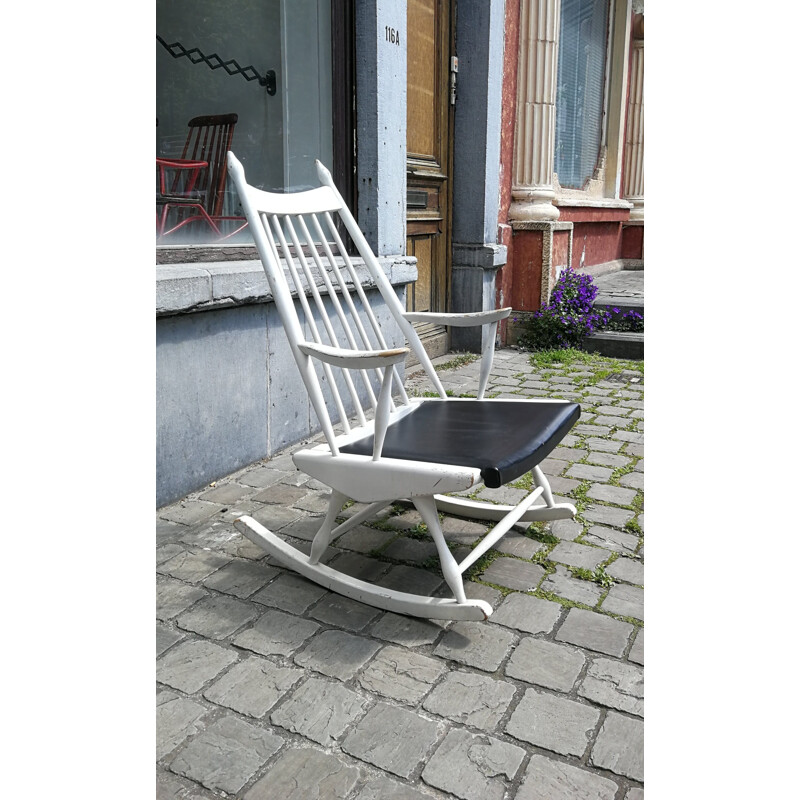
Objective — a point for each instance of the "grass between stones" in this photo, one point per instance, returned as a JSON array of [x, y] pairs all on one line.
[[460, 360], [605, 377], [598, 575]]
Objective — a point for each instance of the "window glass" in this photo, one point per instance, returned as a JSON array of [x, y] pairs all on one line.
[[263, 69], [581, 85]]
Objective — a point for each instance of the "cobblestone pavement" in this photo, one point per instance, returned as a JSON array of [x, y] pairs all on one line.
[[269, 687]]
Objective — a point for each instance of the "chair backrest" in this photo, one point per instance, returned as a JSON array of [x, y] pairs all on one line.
[[302, 253], [209, 139]]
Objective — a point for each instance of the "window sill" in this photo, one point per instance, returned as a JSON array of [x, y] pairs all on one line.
[[207, 253], [591, 202], [191, 287]]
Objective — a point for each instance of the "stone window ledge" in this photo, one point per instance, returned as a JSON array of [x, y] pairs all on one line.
[[187, 288], [591, 202]]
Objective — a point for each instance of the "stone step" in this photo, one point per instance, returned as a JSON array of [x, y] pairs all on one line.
[[616, 344], [622, 289], [624, 304], [619, 292]]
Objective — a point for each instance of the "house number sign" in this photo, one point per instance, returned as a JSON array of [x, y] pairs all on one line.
[[392, 35]]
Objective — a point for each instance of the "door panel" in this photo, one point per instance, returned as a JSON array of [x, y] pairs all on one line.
[[419, 299], [428, 163], [422, 27]]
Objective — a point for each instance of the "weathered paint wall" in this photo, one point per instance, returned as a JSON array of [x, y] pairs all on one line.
[[561, 254], [507, 117], [633, 240], [476, 163], [476, 158], [381, 124], [596, 243], [526, 288], [211, 402], [228, 390], [597, 234]]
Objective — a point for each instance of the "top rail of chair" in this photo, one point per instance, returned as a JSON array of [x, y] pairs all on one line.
[[309, 201]]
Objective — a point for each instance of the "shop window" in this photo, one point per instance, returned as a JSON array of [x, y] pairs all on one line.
[[580, 96], [265, 70]]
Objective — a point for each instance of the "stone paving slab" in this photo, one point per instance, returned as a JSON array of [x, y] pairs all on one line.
[[523, 612], [190, 665], [392, 738], [226, 754], [578, 555], [627, 601], [302, 773], [618, 746], [177, 718], [270, 686], [337, 653], [165, 638], [320, 710], [472, 766], [476, 645], [554, 722], [514, 573], [402, 675], [603, 634], [627, 569], [614, 684], [478, 701], [553, 666], [252, 687], [276, 633], [174, 597], [561, 584], [548, 779], [612, 539]]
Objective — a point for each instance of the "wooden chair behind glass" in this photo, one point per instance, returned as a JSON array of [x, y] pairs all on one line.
[[192, 188]]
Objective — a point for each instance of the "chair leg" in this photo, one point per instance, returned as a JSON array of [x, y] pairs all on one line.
[[540, 480], [200, 214], [478, 509], [452, 574], [323, 536]]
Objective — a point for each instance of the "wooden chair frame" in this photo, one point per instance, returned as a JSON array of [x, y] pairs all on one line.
[[349, 339], [202, 170]]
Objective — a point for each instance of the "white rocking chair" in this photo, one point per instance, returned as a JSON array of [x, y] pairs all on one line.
[[415, 449]]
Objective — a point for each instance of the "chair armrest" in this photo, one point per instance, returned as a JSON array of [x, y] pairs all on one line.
[[462, 320], [180, 163], [354, 359], [164, 164], [488, 319], [365, 359]]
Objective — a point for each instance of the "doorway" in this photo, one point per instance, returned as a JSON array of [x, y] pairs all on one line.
[[428, 165]]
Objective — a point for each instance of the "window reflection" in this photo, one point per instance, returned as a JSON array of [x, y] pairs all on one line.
[[263, 66]]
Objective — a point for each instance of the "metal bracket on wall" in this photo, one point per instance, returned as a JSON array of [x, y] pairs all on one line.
[[453, 73], [213, 61]]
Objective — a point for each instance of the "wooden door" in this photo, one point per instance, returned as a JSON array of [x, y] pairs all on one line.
[[428, 165]]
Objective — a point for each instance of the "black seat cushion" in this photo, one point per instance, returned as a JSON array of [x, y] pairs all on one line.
[[503, 439]]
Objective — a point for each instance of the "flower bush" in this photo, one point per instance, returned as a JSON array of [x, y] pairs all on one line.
[[631, 321], [569, 317]]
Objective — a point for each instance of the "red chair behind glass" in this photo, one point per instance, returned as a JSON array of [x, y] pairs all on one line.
[[193, 186]]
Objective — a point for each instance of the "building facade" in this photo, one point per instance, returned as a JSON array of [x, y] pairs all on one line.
[[443, 123], [573, 145]]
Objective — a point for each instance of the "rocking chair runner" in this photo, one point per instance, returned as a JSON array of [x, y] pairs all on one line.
[[415, 449]]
